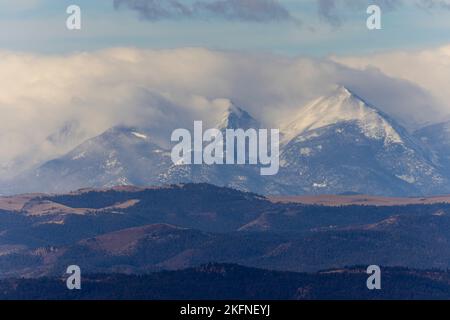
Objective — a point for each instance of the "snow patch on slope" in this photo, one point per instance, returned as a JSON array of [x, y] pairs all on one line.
[[139, 135]]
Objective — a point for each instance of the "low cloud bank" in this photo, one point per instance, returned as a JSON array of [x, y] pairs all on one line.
[[51, 103]]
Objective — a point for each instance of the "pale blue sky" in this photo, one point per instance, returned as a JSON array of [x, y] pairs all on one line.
[[39, 26]]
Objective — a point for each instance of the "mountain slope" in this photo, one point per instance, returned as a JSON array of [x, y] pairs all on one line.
[[437, 138], [119, 156]]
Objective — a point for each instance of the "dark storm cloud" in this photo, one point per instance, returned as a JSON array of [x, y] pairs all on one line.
[[239, 10], [330, 10], [246, 10], [156, 9]]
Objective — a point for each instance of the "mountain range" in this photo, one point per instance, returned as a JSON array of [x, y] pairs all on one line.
[[336, 144], [215, 281], [140, 230]]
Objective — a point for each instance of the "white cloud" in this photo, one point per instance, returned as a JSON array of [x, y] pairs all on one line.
[[429, 69], [80, 95]]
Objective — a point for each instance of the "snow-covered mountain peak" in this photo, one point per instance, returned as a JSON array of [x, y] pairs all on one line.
[[236, 118], [342, 106]]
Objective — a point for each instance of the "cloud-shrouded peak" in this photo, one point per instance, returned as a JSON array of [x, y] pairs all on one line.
[[235, 117]]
